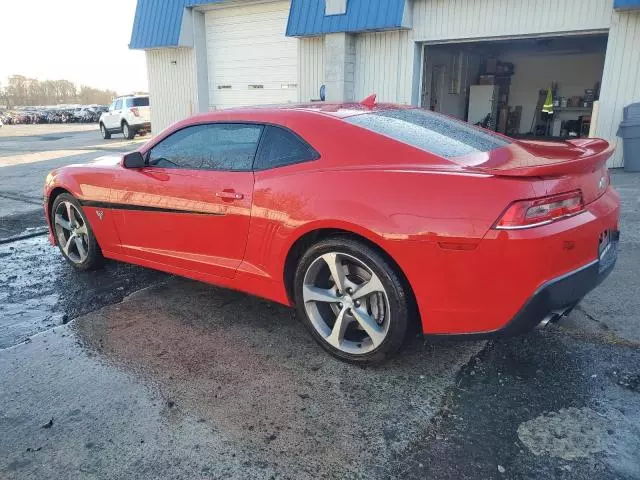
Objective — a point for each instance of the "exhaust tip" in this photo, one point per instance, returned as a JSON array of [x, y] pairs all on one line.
[[554, 317]]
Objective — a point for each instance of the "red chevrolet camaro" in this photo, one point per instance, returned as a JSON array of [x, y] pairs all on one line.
[[366, 217]]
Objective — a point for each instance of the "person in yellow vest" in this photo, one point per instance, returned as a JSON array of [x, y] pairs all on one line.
[[548, 103]]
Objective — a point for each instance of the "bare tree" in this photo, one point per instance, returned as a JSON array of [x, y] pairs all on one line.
[[21, 90]]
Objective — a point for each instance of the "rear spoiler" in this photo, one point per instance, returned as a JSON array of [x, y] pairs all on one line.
[[548, 159]]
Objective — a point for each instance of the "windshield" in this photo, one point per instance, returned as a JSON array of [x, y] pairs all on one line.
[[431, 132]]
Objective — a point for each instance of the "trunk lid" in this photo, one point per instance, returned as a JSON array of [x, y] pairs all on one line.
[[562, 166], [540, 159]]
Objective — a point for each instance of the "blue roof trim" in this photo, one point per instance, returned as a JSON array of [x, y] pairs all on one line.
[[626, 4], [307, 18], [157, 24]]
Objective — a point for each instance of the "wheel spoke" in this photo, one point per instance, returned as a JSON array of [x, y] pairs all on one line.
[[82, 230], [369, 325], [81, 250], [70, 214], [339, 328], [59, 220], [315, 294], [66, 246], [372, 285], [337, 270]]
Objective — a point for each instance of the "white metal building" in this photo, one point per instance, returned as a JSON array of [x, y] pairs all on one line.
[[203, 55]]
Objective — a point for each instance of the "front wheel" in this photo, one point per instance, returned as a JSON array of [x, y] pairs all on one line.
[[73, 233], [352, 300]]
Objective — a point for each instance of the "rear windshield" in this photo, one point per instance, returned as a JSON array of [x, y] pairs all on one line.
[[138, 102], [431, 132]]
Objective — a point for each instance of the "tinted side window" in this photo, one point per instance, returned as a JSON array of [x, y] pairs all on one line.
[[129, 102], [118, 104], [430, 131], [208, 147], [280, 147]]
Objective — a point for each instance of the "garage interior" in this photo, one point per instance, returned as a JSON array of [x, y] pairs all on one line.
[[503, 84]]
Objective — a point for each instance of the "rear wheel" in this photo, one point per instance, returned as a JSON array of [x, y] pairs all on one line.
[[73, 233], [105, 133], [127, 131], [352, 300]]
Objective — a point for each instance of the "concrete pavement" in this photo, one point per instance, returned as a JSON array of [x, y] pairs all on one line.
[[129, 373], [29, 152]]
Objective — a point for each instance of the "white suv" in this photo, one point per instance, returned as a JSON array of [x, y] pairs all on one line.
[[127, 115]]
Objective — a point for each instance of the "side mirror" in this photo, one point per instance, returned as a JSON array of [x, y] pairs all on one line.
[[133, 160]]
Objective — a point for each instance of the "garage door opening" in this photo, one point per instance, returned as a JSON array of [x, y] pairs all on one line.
[[503, 85]]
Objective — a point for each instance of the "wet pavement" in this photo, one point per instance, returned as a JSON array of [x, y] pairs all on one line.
[[39, 290], [129, 373]]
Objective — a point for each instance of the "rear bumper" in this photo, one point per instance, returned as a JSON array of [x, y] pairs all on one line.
[[482, 290], [139, 127], [558, 296]]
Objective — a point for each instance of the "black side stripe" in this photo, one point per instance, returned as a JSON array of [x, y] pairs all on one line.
[[143, 208]]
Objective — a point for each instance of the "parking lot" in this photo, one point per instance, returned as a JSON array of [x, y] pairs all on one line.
[[130, 373]]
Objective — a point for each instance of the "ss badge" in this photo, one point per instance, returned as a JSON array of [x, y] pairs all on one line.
[[100, 214]]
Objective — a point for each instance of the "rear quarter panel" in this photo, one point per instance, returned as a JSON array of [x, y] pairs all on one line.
[[429, 223]]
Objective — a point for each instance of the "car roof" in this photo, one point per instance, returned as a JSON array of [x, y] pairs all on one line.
[[337, 110]]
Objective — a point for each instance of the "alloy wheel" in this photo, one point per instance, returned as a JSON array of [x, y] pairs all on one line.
[[346, 303], [71, 232]]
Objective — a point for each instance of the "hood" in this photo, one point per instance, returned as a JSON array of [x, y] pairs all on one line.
[[107, 161]]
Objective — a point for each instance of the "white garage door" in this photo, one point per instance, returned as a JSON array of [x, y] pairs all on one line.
[[251, 61]]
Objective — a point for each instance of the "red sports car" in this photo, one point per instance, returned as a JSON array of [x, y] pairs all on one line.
[[366, 217]]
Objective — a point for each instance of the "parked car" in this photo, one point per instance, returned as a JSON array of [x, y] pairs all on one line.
[[127, 115], [365, 217], [52, 114]]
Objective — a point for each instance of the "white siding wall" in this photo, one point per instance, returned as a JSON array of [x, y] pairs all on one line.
[[384, 65], [310, 67], [441, 20], [621, 78], [172, 88]]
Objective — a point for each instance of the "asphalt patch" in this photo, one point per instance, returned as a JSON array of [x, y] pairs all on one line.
[[539, 406], [15, 226]]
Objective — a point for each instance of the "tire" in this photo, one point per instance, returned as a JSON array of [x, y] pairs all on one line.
[[127, 131], [74, 237], [374, 324], [105, 133]]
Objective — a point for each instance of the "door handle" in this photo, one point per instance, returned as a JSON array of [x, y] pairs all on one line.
[[229, 195]]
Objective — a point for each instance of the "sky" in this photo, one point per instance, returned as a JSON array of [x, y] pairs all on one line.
[[85, 41]]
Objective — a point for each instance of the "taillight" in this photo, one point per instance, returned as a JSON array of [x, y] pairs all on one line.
[[540, 211], [135, 111]]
